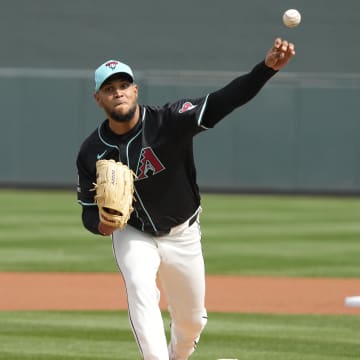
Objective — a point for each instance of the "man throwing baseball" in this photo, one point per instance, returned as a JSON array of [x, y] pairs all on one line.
[[162, 238]]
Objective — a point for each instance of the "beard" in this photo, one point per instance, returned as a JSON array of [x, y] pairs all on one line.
[[123, 118]]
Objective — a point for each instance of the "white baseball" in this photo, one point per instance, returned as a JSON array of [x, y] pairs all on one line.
[[291, 18]]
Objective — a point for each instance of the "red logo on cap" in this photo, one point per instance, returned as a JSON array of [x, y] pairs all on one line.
[[111, 64]]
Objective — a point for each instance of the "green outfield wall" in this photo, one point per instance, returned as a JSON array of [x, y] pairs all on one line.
[[298, 135]]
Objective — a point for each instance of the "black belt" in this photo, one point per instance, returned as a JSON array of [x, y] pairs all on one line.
[[165, 232], [193, 219]]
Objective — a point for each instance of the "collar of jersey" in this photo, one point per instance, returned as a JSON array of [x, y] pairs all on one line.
[[114, 139]]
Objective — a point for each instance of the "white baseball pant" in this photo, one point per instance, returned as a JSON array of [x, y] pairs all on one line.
[[177, 260]]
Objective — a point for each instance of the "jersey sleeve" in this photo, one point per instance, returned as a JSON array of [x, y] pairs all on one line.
[[85, 194], [86, 180], [186, 115], [238, 92]]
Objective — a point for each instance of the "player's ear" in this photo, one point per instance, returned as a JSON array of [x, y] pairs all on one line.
[[136, 89], [97, 99]]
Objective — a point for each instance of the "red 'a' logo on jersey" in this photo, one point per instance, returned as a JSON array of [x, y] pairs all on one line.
[[149, 164]]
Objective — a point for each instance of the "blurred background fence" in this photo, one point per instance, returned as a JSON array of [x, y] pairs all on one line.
[[300, 134]]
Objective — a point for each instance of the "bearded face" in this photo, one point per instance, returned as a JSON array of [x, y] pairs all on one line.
[[123, 117], [118, 98]]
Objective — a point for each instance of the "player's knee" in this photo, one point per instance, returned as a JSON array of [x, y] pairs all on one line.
[[202, 322], [194, 324]]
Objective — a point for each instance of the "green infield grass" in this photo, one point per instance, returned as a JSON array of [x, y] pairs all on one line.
[[257, 235], [106, 336], [244, 235]]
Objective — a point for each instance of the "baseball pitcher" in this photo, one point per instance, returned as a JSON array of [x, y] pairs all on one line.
[[137, 184]]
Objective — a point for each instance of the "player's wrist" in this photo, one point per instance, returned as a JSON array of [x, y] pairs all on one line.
[[104, 229]]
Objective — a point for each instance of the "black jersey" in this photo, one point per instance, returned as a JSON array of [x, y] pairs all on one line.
[[159, 149]]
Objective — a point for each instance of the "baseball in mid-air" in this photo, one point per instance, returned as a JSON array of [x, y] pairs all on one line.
[[291, 18]]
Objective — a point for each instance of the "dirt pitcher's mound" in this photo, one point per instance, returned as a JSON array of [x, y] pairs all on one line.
[[84, 291]]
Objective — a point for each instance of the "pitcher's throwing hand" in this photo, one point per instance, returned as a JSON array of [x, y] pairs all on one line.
[[280, 54]]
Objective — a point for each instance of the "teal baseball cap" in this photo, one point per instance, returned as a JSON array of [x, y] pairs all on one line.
[[110, 68]]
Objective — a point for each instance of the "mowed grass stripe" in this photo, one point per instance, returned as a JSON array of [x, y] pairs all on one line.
[[242, 234], [107, 335], [283, 236]]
